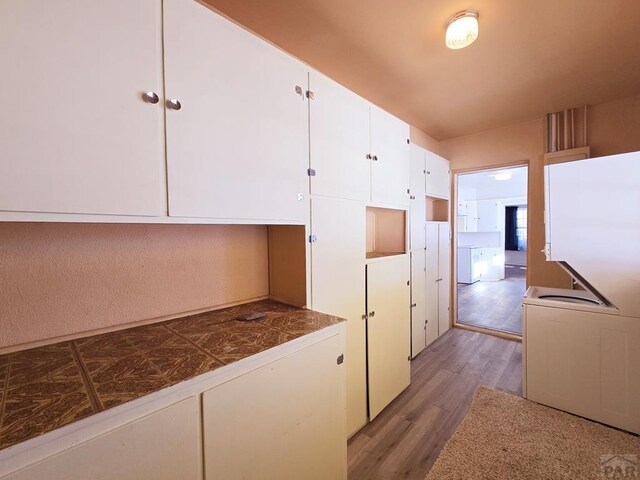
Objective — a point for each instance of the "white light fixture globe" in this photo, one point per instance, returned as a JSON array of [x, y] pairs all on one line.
[[502, 176], [462, 29]]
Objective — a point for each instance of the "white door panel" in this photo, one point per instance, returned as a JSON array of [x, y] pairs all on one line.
[[390, 172], [431, 300], [444, 272], [417, 201], [338, 288], [438, 181], [76, 135], [339, 125], [388, 331], [238, 147], [418, 294]]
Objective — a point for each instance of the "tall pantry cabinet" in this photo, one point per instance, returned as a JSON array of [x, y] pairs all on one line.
[[430, 248], [358, 158]]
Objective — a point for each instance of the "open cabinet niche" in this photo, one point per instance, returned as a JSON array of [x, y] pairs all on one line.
[[288, 264], [437, 209], [386, 232], [68, 280]]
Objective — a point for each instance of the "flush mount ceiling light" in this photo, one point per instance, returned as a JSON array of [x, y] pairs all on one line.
[[502, 176], [462, 29]]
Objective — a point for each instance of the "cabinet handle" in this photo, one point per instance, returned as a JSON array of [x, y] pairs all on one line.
[[414, 305], [375, 158], [174, 104], [369, 156], [372, 314], [150, 97], [438, 280]]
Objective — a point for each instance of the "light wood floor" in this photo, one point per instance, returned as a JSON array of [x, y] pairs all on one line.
[[494, 305], [403, 442]]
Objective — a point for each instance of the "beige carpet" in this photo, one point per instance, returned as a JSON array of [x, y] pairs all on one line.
[[508, 437]]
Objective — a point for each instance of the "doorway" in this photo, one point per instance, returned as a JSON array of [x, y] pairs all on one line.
[[491, 248]]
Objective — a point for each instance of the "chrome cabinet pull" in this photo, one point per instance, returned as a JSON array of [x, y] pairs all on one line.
[[150, 97], [372, 314], [174, 104]]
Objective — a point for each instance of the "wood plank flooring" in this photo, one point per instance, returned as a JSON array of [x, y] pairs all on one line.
[[494, 305], [404, 441]]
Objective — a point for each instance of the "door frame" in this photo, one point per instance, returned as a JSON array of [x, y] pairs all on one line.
[[454, 242]]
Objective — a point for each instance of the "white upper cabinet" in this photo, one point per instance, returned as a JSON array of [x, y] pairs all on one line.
[[339, 125], [390, 165], [487, 216], [438, 179], [238, 146], [417, 198], [76, 135]]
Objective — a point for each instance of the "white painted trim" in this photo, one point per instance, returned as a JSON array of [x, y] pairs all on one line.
[[7, 216]]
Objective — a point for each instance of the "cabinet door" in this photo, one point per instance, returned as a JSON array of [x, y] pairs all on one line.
[[238, 147], [472, 216], [338, 288], [388, 331], [438, 183], [444, 272], [417, 202], [339, 125], [76, 135], [487, 215], [418, 294], [390, 172], [431, 300], [162, 446], [285, 420]]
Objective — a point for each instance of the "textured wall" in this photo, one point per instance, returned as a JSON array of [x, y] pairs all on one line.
[[64, 279]]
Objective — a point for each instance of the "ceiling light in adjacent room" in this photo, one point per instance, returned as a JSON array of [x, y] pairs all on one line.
[[502, 176], [462, 29]]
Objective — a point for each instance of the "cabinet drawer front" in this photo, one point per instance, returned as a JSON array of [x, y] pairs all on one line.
[[77, 136], [238, 147]]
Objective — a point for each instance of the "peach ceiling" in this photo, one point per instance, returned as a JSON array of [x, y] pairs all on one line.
[[531, 57]]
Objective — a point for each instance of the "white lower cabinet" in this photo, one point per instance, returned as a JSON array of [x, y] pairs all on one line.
[[418, 307], [444, 276], [388, 330], [164, 445], [285, 420], [438, 279]]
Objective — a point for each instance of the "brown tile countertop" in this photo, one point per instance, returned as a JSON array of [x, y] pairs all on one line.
[[44, 388]]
